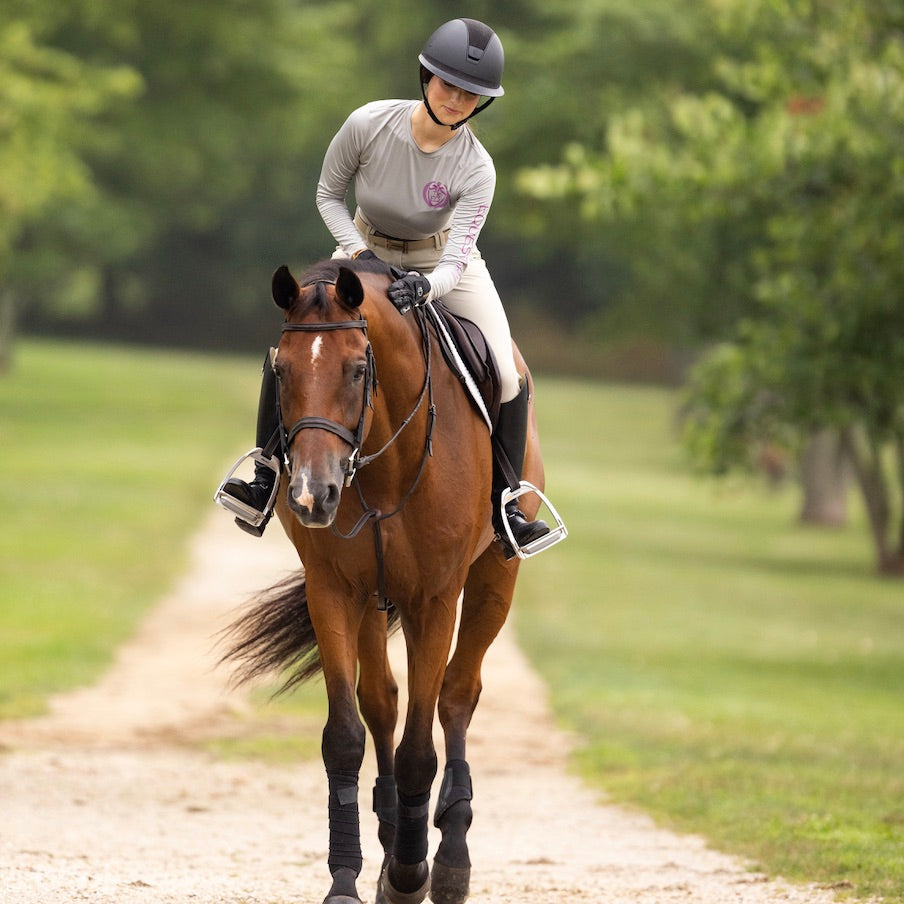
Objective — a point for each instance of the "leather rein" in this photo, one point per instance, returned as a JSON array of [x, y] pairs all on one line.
[[355, 439]]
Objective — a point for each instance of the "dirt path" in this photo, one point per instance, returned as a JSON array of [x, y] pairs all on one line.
[[103, 800]]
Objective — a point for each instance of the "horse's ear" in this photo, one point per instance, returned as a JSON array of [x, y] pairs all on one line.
[[284, 287], [349, 288]]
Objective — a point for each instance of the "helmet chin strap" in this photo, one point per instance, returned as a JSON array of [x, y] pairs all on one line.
[[456, 125]]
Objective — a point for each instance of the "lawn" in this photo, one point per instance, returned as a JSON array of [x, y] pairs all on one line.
[[110, 458], [728, 670]]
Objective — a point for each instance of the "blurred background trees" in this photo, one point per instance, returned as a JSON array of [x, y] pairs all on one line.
[[199, 147], [698, 191], [776, 198]]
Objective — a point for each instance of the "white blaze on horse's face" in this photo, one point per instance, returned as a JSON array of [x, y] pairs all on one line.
[[301, 495], [316, 350]]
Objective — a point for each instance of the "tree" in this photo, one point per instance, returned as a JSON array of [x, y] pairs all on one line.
[[206, 182], [218, 92], [797, 157], [46, 98]]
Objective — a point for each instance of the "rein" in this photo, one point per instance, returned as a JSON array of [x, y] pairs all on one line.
[[354, 440]]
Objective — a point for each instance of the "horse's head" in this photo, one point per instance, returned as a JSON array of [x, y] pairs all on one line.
[[324, 365]]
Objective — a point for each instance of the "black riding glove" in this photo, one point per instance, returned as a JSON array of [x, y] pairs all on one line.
[[409, 291], [366, 255]]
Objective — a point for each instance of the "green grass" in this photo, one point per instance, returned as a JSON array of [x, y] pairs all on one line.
[[109, 460], [280, 730], [731, 671]]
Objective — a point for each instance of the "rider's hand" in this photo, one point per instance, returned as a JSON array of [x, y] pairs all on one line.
[[409, 290], [365, 255]]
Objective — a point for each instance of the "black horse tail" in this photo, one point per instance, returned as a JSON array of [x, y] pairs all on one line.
[[274, 635]]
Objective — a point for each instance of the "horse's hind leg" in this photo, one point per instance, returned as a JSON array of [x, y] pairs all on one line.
[[486, 604]]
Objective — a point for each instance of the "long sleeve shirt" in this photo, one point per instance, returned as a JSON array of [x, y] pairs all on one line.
[[403, 191]]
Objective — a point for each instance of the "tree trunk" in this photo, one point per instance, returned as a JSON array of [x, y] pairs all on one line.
[[865, 454], [897, 566], [824, 477], [7, 328]]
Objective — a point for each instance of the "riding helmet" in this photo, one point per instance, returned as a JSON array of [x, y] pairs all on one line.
[[468, 54]]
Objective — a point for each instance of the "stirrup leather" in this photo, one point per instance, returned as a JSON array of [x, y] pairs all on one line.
[[238, 508], [556, 533]]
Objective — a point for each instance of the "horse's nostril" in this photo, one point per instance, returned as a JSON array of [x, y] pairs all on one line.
[[332, 496]]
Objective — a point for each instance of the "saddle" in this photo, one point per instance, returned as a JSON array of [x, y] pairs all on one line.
[[470, 358]]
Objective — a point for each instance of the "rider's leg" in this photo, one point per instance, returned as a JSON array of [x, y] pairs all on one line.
[[475, 297], [256, 494], [511, 435]]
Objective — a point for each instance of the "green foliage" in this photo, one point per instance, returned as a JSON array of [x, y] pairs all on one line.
[[110, 457], [781, 174], [220, 86], [204, 182], [725, 668], [794, 157], [47, 96], [732, 412]]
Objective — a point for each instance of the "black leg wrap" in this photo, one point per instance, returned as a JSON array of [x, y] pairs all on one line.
[[456, 786], [345, 826], [386, 800], [386, 806], [411, 830]]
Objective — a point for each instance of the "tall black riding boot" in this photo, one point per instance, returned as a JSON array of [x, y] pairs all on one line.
[[256, 494], [511, 437]]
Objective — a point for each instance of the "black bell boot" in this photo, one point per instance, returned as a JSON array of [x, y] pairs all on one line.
[[255, 511], [511, 437]]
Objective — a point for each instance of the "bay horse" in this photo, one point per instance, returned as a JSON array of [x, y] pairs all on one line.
[[388, 537]]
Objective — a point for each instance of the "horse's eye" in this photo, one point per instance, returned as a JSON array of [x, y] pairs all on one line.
[[359, 373]]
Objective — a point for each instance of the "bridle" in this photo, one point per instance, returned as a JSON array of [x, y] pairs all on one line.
[[355, 439], [321, 423]]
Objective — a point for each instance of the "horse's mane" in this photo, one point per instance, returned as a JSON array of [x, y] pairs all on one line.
[[327, 271]]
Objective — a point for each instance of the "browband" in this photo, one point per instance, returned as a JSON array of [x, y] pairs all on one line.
[[318, 327]]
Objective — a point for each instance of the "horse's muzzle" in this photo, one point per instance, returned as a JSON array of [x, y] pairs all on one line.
[[314, 500]]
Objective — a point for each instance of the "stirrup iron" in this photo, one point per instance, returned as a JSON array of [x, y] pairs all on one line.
[[236, 506], [557, 533]]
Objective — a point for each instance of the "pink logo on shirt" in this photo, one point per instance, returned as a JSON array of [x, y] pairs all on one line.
[[436, 194]]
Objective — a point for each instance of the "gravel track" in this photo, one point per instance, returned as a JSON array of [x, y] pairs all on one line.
[[109, 798]]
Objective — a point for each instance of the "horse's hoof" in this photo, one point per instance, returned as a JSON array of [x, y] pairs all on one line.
[[449, 884], [386, 894], [343, 890]]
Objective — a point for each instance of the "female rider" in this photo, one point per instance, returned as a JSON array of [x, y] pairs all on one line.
[[423, 186]]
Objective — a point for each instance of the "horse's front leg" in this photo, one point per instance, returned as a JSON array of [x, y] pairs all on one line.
[[336, 623], [378, 698], [487, 599], [428, 631]]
